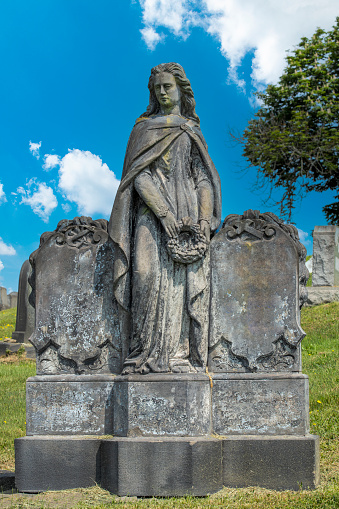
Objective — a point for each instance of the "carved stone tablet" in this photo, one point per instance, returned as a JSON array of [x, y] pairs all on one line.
[[255, 278], [77, 328]]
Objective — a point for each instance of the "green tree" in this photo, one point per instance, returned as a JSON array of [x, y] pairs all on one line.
[[293, 140]]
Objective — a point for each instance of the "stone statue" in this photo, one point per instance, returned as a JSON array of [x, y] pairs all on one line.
[[166, 208], [169, 359]]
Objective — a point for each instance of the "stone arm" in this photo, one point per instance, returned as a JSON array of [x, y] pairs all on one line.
[[204, 191], [205, 207], [149, 193]]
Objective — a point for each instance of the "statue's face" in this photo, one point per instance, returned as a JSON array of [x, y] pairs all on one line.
[[166, 90]]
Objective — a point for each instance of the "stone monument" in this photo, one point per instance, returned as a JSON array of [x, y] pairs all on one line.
[[4, 299], [325, 275], [181, 343], [25, 316]]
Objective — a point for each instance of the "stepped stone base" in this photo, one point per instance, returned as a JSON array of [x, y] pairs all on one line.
[[168, 405], [168, 466], [322, 295]]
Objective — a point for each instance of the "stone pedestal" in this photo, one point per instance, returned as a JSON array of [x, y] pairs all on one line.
[[167, 466], [257, 404], [69, 405], [272, 462], [161, 466], [56, 463], [325, 256], [162, 404], [322, 295]]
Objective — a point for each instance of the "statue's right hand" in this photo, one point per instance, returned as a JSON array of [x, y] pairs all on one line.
[[170, 224]]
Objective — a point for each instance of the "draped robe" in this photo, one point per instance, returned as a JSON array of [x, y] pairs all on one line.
[[166, 303]]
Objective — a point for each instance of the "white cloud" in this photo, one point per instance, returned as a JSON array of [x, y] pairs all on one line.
[[66, 207], [6, 249], [151, 37], [35, 149], [40, 197], [88, 182], [50, 161], [265, 27], [1, 265], [170, 14], [304, 237], [3, 198]]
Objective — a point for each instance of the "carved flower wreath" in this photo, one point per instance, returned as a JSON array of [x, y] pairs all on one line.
[[189, 246]]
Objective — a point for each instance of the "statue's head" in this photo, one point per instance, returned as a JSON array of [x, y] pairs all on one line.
[[186, 93]]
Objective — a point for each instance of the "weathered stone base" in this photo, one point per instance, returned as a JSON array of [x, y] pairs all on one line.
[[259, 404], [322, 295], [162, 405], [69, 405], [168, 405], [276, 462], [168, 466], [56, 463]]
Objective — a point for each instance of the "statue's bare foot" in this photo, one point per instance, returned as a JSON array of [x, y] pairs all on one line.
[[181, 366]]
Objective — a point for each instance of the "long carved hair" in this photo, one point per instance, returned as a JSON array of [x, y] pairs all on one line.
[[187, 96]]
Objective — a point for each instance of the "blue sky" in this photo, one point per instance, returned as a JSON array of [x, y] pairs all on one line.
[[74, 79]]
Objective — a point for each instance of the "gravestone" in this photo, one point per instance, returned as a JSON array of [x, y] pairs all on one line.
[[4, 300], [25, 316], [258, 278], [325, 275], [76, 330], [13, 299], [325, 256], [184, 350]]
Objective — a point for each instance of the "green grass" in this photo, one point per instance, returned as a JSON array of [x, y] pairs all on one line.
[[7, 323], [309, 281], [13, 374], [320, 351]]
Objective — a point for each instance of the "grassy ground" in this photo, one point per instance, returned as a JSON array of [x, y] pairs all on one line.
[[7, 323], [320, 362]]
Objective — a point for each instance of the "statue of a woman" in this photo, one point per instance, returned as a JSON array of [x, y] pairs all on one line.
[[169, 194]]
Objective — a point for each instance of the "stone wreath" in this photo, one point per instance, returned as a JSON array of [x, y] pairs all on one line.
[[189, 246]]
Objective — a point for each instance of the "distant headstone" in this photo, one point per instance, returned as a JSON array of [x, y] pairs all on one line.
[[4, 300], [77, 328], [325, 256], [13, 299], [25, 317]]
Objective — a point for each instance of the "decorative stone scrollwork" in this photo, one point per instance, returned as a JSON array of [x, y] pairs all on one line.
[[81, 231], [189, 246], [248, 227]]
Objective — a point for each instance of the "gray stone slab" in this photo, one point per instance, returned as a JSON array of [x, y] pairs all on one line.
[[161, 467], [322, 295], [14, 347], [272, 404], [77, 326], [257, 278], [325, 256], [162, 404], [13, 299], [69, 405], [4, 299], [7, 481], [56, 463], [25, 316], [276, 463]]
